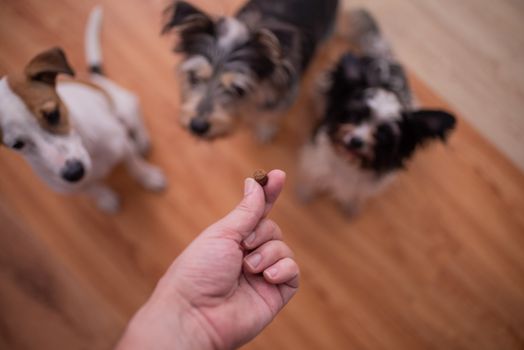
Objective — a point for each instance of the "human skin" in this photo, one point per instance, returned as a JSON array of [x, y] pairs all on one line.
[[226, 286]]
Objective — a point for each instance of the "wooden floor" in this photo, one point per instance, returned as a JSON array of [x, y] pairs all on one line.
[[437, 262]]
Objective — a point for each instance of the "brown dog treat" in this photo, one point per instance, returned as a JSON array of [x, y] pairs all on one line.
[[260, 176]]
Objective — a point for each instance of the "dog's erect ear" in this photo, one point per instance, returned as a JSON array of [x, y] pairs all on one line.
[[430, 124], [264, 54], [261, 54], [419, 127], [285, 38], [182, 13], [47, 65], [266, 43]]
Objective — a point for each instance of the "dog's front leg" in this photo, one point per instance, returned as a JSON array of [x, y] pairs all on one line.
[[307, 180], [106, 199], [147, 175], [140, 137]]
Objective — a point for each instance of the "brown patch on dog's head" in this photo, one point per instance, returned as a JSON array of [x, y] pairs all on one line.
[[37, 88]]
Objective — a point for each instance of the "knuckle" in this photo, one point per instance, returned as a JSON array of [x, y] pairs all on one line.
[[289, 253], [290, 263], [277, 232], [283, 250], [272, 229]]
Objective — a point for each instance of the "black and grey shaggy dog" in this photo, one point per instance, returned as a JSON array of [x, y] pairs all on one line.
[[370, 128], [248, 65]]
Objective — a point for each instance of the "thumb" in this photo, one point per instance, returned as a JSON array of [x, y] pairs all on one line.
[[242, 220]]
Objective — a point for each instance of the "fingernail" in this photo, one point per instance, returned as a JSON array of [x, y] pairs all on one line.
[[250, 239], [272, 272], [254, 260], [249, 186]]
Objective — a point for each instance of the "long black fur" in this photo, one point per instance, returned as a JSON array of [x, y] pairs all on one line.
[[395, 142], [312, 19]]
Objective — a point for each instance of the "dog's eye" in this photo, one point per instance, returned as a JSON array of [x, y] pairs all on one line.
[[52, 117], [18, 145], [193, 78]]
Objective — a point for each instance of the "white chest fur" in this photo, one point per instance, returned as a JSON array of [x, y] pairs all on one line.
[[325, 171], [94, 119]]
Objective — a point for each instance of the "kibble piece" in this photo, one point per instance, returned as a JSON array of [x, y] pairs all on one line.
[[260, 176]]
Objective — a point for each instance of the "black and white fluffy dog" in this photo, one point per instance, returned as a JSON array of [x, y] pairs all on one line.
[[248, 65], [369, 128]]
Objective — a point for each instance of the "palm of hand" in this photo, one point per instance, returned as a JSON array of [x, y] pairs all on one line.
[[231, 300]]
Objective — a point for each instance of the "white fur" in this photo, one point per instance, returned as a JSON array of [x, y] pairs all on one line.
[[363, 131], [93, 50], [127, 109], [99, 139], [100, 123], [199, 65], [384, 105], [45, 152], [92, 115], [235, 32], [324, 171]]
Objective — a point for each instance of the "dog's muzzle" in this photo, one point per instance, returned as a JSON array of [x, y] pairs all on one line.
[[73, 171]]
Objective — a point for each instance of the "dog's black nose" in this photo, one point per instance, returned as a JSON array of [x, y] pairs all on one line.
[[355, 143], [199, 126], [73, 171]]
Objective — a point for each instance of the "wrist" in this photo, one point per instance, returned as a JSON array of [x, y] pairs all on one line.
[[169, 322]]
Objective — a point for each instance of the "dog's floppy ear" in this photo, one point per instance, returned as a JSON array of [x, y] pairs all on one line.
[[47, 65], [422, 125], [182, 13]]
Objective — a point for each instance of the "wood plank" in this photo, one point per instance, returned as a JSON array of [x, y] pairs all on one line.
[[436, 262], [42, 304]]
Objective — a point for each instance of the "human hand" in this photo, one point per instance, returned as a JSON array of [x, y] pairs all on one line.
[[226, 286]]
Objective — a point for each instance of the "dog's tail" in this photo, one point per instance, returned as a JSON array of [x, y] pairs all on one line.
[[364, 32], [93, 49]]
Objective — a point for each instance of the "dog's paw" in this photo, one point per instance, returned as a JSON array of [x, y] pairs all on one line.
[[154, 179], [108, 202]]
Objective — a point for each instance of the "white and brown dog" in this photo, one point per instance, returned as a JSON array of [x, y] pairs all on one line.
[[72, 133]]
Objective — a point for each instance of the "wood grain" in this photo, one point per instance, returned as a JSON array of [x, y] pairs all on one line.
[[435, 263]]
